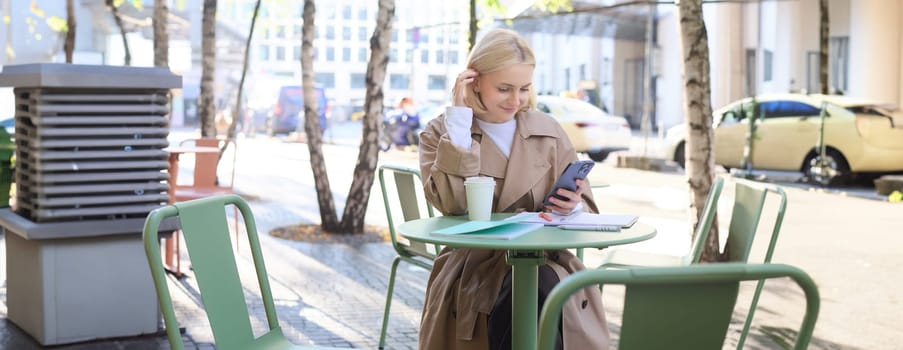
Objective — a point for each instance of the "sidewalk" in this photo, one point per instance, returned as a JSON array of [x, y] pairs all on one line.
[[333, 294]]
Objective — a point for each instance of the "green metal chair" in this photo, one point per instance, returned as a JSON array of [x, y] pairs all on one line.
[[622, 257], [206, 231], [749, 201], [406, 181], [682, 307]]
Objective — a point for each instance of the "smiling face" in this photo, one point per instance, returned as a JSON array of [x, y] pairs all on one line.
[[504, 92]]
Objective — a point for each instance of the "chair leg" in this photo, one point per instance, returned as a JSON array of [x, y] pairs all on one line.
[[172, 254], [235, 212], [749, 317], [389, 291]]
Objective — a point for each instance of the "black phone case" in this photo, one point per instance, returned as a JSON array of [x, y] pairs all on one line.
[[578, 169]]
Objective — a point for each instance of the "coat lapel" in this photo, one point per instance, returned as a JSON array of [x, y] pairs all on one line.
[[525, 166]]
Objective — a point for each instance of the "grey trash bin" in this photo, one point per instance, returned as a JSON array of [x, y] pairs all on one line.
[[90, 165]]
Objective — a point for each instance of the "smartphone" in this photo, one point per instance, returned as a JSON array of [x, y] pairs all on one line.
[[578, 169]]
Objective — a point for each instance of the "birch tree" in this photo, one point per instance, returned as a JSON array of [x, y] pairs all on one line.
[[69, 43], [700, 161], [161, 35], [114, 9], [206, 107], [368, 155], [823, 46], [236, 112]]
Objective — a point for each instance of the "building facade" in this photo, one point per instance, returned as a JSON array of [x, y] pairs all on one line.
[[755, 47]]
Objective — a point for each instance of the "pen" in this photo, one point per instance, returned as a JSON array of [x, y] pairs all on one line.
[[545, 216], [606, 228]]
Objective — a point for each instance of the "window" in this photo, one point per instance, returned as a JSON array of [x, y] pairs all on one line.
[[280, 31], [280, 53], [358, 80], [394, 35], [330, 54], [398, 81], [436, 82], [346, 12], [453, 57], [393, 55], [346, 54], [453, 39], [362, 33], [298, 31], [407, 55], [346, 33], [440, 56], [296, 53], [330, 32], [782, 109], [766, 65], [424, 56], [264, 52], [326, 79], [362, 13], [362, 55], [838, 62]]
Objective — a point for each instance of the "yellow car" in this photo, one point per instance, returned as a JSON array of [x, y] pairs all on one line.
[[861, 136]]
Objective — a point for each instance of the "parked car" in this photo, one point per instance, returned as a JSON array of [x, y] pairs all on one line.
[[288, 112], [591, 130], [861, 136]]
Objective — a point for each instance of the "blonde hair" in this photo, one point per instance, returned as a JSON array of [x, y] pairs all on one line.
[[497, 50]]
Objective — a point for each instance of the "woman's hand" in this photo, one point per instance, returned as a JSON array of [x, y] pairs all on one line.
[[462, 83], [565, 207]]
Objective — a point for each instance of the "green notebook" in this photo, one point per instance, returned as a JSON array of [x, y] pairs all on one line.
[[501, 229]]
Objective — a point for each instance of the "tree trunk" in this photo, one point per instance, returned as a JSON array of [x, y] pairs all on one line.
[[161, 35], [700, 161], [125, 42], [472, 28], [368, 156], [823, 47], [328, 219], [237, 112], [206, 107], [69, 44]]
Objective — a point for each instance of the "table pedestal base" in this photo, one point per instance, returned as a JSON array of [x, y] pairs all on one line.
[[524, 293]]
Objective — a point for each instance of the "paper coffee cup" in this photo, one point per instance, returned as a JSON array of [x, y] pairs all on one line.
[[479, 190]]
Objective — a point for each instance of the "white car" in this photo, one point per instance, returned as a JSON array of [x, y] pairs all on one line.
[[591, 130]]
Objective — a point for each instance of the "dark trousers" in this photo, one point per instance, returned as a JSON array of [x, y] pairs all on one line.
[[500, 318]]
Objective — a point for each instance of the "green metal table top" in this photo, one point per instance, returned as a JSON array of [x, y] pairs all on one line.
[[548, 237]]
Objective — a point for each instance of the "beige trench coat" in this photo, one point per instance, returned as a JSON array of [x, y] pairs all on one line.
[[465, 283]]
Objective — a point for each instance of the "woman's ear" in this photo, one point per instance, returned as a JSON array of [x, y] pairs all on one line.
[[476, 84]]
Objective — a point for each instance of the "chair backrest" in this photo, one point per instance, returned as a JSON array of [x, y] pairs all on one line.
[[748, 206], [206, 230], [406, 181], [704, 225], [749, 199], [206, 165], [685, 307]]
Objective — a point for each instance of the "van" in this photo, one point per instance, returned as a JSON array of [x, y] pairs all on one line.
[[288, 112]]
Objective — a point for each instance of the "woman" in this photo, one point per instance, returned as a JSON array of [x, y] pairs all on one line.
[[494, 130]]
